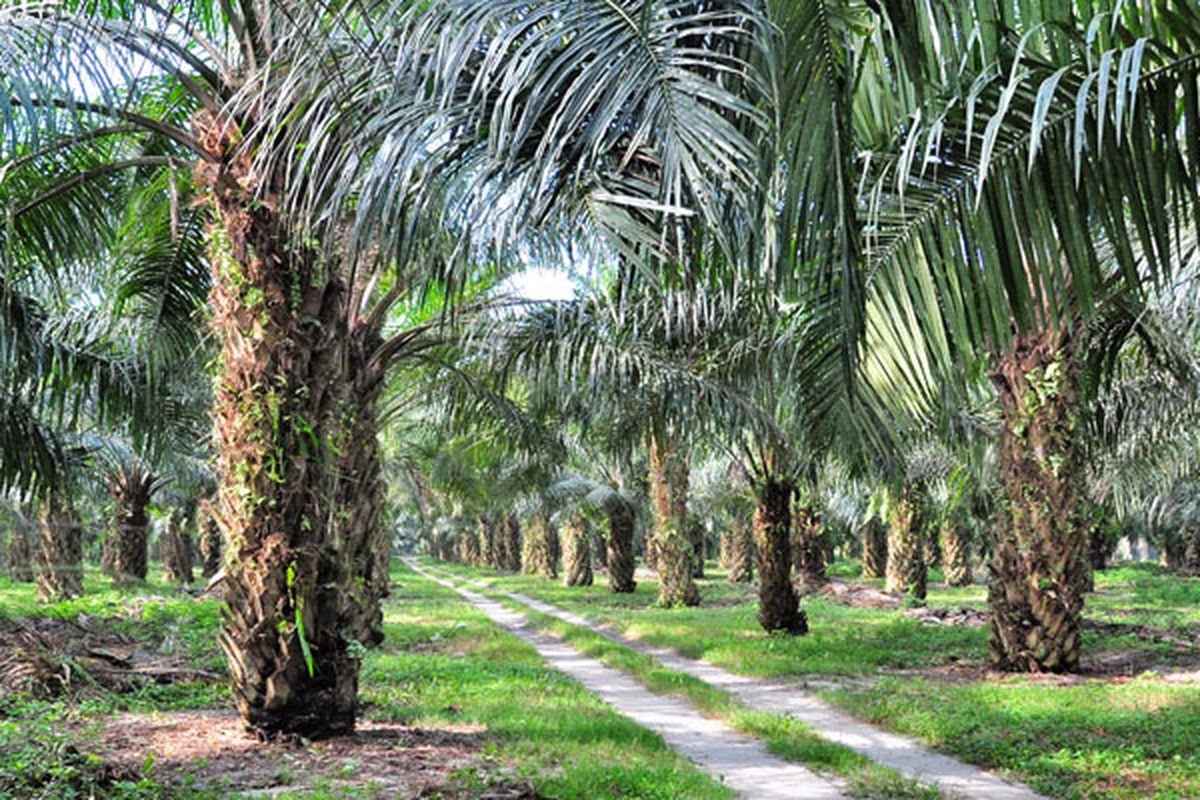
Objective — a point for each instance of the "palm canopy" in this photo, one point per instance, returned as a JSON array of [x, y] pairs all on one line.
[[1051, 174]]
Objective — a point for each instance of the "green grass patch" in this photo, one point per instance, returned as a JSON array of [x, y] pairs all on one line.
[[445, 663], [1091, 738], [784, 736], [1139, 739], [444, 667]]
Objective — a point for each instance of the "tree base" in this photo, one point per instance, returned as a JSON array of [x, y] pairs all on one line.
[[312, 722]]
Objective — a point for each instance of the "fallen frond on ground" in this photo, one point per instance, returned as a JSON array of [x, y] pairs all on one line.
[[52, 657]]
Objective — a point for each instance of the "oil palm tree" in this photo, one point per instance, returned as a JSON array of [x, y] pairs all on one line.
[[1004, 214], [317, 166]]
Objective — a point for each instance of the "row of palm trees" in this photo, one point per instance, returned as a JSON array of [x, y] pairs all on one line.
[[834, 221]]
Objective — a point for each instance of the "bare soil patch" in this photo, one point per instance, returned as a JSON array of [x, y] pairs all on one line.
[[212, 749]]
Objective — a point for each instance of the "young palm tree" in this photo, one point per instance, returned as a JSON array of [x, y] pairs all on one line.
[[131, 486]]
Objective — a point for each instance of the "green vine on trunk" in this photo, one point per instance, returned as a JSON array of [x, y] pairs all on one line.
[[299, 605]]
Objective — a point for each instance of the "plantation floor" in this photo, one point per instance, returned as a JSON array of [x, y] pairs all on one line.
[[454, 707], [783, 698], [1128, 729], [741, 762]]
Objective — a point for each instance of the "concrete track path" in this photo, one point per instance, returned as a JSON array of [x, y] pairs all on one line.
[[954, 778], [743, 763]]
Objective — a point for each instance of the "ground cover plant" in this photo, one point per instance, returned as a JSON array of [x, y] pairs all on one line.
[[1126, 728], [785, 737], [455, 708]]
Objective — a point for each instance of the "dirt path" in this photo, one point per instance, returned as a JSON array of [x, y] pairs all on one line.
[[741, 762], [904, 755]]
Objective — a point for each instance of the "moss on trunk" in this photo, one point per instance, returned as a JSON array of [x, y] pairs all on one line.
[[671, 545], [1040, 549], [356, 574]]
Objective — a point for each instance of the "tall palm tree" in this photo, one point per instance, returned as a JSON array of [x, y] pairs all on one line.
[[1008, 210], [317, 165]]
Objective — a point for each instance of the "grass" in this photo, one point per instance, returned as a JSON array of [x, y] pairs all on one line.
[[786, 737], [1131, 737], [444, 667], [724, 631], [44, 743], [444, 663]]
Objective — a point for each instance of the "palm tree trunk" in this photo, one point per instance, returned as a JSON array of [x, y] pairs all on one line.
[[512, 543], [577, 550], [541, 548], [487, 542], [906, 569], [956, 547], [741, 551], [131, 491], [1173, 544], [60, 562], [1040, 551], [620, 549], [357, 576], [808, 549], [279, 312], [20, 556], [210, 541], [108, 548], [599, 548], [932, 551], [695, 531], [177, 551], [671, 545], [874, 549], [1191, 553], [725, 548], [468, 547], [441, 546], [496, 542], [778, 606]]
